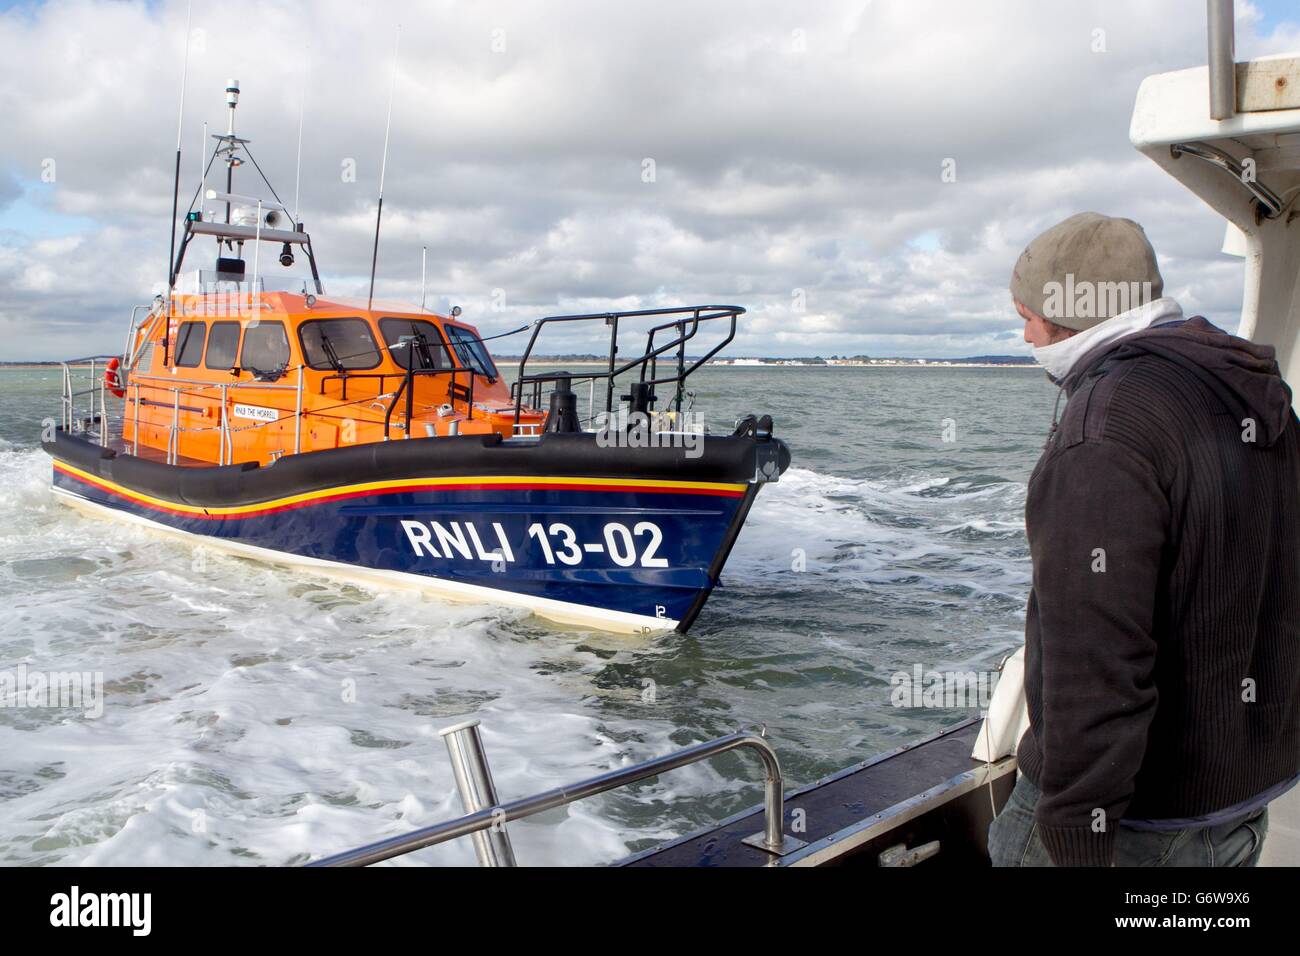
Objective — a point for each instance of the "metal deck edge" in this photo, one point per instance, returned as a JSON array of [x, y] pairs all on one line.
[[757, 809], [864, 831]]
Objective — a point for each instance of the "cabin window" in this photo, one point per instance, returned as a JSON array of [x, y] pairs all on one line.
[[471, 352], [189, 344], [339, 344], [429, 353], [266, 347], [223, 345]]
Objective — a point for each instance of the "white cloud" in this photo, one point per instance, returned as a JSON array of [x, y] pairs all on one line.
[[796, 146]]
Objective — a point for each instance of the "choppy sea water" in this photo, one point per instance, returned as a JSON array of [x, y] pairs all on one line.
[[256, 715]]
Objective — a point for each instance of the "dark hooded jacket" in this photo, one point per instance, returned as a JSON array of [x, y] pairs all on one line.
[[1162, 663]]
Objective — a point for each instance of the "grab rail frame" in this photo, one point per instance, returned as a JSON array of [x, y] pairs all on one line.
[[689, 317], [772, 839]]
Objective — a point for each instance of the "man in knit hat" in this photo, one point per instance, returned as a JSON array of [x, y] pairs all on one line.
[[1162, 638]]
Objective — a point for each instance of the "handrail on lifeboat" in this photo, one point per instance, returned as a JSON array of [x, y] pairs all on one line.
[[69, 395], [200, 388], [176, 387], [687, 324], [458, 393], [408, 388]]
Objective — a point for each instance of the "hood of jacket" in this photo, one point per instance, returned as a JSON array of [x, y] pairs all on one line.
[[1245, 376], [1059, 358]]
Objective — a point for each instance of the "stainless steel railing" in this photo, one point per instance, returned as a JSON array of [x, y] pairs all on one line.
[[223, 394], [169, 407], [772, 839], [1271, 203], [477, 791], [96, 423]]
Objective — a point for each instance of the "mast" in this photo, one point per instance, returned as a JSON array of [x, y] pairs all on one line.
[[235, 229], [232, 100]]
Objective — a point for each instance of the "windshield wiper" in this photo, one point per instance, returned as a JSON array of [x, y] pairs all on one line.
[[422, 342], [330, 354]]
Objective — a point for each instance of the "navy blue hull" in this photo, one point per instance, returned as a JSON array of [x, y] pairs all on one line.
[[650, 552], [631, 540]]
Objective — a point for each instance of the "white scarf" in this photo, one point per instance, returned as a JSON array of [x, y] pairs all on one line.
[[1060, 357]]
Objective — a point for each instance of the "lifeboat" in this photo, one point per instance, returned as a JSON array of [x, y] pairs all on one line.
[[381, 441]]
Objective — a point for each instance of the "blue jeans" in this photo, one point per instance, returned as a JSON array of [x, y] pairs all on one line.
[[1014, 839]]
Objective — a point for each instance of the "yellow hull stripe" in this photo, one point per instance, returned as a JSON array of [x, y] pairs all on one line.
[[410, 484]]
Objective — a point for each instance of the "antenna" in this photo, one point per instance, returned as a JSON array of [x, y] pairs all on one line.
[[176, 184], [383, 168], [203, 167], [302, 109], [254, 296], [231, 141], [424, 256], [232, 100]]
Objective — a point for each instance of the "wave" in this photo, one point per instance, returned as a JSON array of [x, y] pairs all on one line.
[[879, 523], [258, 715]]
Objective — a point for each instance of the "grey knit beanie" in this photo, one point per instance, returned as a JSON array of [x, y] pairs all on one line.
[[1087, 269]]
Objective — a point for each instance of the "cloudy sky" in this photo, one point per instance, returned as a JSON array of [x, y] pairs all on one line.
[[797, 152]]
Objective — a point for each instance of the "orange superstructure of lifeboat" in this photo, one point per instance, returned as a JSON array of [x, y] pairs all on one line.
[[233, 378]]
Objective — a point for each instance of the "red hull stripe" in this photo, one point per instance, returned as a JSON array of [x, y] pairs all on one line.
[[325, 497]]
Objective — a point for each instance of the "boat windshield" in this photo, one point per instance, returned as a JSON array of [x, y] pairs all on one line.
[[471, 351], [420, 337], [338, 344]]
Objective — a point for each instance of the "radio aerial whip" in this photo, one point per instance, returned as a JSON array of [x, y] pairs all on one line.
[[302, 109], [176, 185], [383, 168]]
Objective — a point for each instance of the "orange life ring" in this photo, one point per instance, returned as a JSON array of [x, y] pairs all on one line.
[[111, 379]]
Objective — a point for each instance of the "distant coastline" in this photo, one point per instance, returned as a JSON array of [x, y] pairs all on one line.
[[835, 361], [584, 361], [977, 361], [885, 363]]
